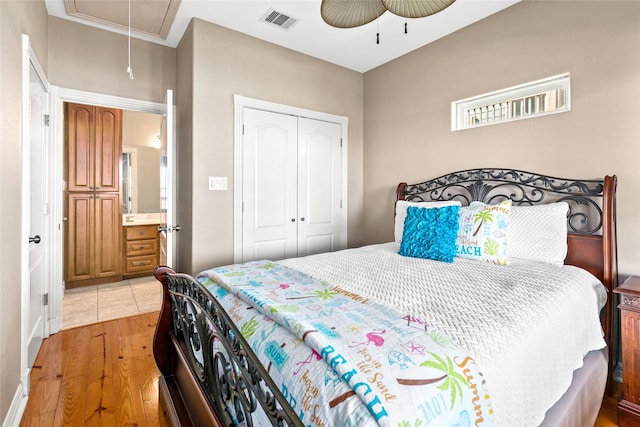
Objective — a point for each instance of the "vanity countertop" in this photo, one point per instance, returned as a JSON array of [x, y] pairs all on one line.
[[141, 219]]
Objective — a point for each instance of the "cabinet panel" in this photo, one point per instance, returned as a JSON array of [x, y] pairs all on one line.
[[79, 135], [141, 247], [141, 232], [631, 355], [140, 264], [107, 235], [80, 209], [108, 148]]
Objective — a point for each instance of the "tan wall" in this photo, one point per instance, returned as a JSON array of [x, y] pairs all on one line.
[[407, 107], [16, 18], [94, 60], [227, 63], [184, 150]]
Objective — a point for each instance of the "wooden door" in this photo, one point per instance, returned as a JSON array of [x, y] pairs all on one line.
[[108, 149], [106, 229], [79, 128], [79, 253]]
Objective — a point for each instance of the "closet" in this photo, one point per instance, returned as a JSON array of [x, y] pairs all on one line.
[[291, 186], [93, 148]]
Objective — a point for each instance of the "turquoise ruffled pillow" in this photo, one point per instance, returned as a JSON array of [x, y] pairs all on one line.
[[430, 233]]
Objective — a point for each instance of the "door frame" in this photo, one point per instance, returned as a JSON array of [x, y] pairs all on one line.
[[239, 103], [59, 96]]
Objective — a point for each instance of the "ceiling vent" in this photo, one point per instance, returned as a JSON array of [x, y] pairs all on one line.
[[279, 19]]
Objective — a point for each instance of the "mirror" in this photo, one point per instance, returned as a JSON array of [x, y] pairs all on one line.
[[140, 163]]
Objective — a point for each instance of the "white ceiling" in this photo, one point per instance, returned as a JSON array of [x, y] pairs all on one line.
[[353, 48]]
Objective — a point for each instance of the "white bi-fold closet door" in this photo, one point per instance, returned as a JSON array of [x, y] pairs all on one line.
[[291, 186]]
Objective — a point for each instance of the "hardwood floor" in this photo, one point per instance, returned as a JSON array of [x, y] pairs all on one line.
[[608, 416], [98, 375], [105, 375]]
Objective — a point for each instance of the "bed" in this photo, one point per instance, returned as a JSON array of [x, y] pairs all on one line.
[[361, 336]]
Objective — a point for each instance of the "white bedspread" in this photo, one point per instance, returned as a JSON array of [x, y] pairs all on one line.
[[541, 314]]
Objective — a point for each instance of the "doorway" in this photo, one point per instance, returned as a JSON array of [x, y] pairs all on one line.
[[114, 279], [59, 97]]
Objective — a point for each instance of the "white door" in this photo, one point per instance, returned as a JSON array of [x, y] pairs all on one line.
[[291, 186], [269, 221], [319, 186], [37, 209], [168, 228]]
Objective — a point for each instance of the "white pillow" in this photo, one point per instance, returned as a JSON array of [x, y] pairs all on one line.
[[401, 213], [482, 234], [539, 232]]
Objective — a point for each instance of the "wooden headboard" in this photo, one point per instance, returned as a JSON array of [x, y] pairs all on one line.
[[591, 220]]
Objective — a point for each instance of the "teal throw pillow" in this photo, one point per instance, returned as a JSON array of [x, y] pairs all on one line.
[[430, 233]]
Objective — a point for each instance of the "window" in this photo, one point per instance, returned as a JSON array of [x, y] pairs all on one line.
[[542, 97]]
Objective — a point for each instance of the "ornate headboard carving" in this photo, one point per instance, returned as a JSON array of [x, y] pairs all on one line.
[[523, 188]]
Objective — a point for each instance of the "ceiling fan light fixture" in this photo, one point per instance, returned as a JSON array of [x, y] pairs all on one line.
[[350, 13], [416, 8], [354, 13]]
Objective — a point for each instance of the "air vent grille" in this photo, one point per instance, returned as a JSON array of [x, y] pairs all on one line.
[[279, 19]]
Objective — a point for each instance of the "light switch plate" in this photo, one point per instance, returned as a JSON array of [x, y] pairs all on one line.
[[217, 183]]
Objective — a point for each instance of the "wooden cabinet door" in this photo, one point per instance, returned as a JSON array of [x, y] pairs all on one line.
[[94, 148], [79, 253], [108, 149], [93, 236], [80, 132], [107, 249]]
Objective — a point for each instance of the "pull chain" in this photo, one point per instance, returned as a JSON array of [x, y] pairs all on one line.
[[129, 69]]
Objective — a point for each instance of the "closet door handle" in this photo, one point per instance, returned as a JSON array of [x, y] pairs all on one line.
[[302, 219], [293, 220]]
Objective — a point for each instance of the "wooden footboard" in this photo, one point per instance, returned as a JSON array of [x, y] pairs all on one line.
[[210, 376]]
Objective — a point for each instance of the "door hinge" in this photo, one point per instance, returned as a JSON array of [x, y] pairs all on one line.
[[243, 129], [242, 207], [340, 204], [45, 299], [341, 142], [47, 120]]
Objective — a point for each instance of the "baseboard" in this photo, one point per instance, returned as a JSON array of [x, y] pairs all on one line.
[[18, 404]]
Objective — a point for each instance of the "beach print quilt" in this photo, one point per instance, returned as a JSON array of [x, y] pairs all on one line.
[[341, 359]]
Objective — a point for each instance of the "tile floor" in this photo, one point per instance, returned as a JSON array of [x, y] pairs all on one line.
[[91, 304]]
